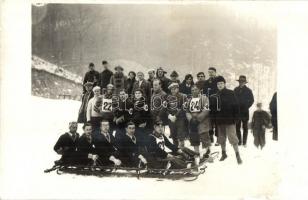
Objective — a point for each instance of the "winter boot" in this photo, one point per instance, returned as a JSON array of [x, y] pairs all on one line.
[[223, 156], [238, 158]]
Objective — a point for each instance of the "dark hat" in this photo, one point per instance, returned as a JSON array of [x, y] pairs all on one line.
[[89, 84], [242, 78], [160, 68], [91, 65], [119, 67], [158, 122], [220, 79], [104, 62], [174, 74], [212, 68]]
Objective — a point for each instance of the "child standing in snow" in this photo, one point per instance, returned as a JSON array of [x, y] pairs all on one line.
[[260, 121]]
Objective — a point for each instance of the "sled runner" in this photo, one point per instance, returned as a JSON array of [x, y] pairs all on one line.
[[187, 174]]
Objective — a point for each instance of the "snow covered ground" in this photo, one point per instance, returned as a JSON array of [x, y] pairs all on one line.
[[28, 152]]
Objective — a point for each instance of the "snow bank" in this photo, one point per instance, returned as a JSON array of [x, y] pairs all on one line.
[[30, 151]]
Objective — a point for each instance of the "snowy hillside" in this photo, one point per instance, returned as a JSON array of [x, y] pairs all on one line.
[[23, 177], [41, 64]]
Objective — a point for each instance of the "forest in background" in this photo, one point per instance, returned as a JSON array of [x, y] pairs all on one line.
[[185, 38]]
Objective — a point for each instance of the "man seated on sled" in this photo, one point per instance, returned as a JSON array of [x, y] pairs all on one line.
[[130, 147], [66, 145], [86, 151], [105, 145], [158, 157]]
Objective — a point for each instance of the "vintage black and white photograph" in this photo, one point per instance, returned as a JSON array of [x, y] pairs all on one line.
[[170, 100]]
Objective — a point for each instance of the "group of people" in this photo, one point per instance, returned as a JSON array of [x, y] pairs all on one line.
[[125, 118]]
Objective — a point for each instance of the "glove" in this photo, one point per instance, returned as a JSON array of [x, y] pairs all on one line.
[[143, 160], [119, 120], [142, 125], [94, 157], [169, 155], [117, 162]]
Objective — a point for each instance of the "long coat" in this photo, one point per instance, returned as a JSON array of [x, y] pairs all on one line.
[[91, 76], [224, 107], [245, 99], [82, 115], [105, 78]]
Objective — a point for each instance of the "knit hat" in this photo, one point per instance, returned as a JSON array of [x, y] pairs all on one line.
[[220, 79]]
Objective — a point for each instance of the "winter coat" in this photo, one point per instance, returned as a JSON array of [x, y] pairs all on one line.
[[245, 99], [145, 87], [130, 85], [185, 89], [273, 109], [121, 110], [105, 148], [85, 146], [210, 87], [165, 82], [118, 80], [140, 115], [68, 145], [129, 150], [105, 78], [259, 119], [91, 76], [157, 146], [82, 115], [224, 107]]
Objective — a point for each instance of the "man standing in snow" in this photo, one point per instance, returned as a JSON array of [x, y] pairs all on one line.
[[245, 98], [224, 109], [91, 76], [105, 75], [210, 87]]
